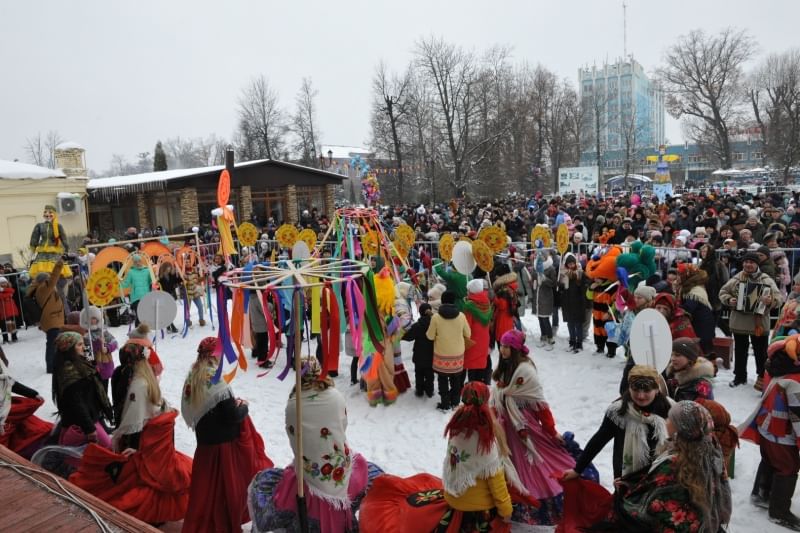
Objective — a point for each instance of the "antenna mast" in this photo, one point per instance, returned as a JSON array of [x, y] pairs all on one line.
[[624, 30]]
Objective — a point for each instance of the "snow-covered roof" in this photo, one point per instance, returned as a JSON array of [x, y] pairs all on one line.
[[69, 145], [11, 170], [157, 177], [344, 152]]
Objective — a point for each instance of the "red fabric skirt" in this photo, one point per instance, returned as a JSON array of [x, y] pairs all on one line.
[[151, 484], [24, 432], [585, 504], [412, 505], [401, 380], [221, 474]]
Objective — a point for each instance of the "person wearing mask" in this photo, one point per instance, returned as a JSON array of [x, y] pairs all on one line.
[[750, 323]]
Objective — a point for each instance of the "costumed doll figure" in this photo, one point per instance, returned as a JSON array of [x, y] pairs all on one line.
[[398, 326], [335, 478], [601, 270], [49, 243], [536, 448], [378, 351], [229, 452]]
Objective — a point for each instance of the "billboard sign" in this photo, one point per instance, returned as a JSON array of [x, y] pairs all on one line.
[[578, 180]]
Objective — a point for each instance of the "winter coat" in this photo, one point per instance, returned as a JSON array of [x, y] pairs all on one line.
[[505, 304], [573, 294], [49, 300], [448, 330], [544, 286], [170, 283], [255, 311], [138, 280], [691, 383], [423, 346], [696, 304], [193, 284], [222, 423], [475, 355], [8, 307], [718, 275], [747, 323], [455, 281], [79, 405]]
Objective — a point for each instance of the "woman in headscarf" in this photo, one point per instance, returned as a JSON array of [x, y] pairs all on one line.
[[679, 323], [636, 422], [536, 448], [78, 393], [685, 489], [145, 476], [335, 478], [694, 300], [229, 449]]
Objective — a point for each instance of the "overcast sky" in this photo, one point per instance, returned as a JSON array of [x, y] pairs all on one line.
[[116, 76]]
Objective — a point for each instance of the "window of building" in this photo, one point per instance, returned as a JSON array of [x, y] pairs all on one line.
[[756, 156], [269, 202], [697, 159], [739, 156], [165, 211], [309, 198], [207, 202]]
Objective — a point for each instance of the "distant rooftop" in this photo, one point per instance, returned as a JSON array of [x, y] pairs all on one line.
[[69, 145], [11, 170], [345, 152]]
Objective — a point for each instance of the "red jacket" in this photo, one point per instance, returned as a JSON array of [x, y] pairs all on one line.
[[475, 356], [8, 307]]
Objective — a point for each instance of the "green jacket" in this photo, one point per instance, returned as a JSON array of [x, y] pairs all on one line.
[[139, 281], [456, 283]]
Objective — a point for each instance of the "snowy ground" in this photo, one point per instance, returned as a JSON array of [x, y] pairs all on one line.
[[406, 438]]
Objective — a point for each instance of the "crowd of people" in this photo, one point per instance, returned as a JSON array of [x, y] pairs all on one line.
[[673, 443]]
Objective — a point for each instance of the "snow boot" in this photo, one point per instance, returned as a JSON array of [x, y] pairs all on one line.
[[780, 502], [762, 485], [444, 405], [202, 322]]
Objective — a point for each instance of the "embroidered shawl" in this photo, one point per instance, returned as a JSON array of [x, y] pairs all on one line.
[[523, 391], [196, 403], [636, 451]]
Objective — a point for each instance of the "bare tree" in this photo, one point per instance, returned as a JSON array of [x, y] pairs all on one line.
[[389, 93], [262, 125], [633, 133], [304, 121], [774, 93], [702, 80], [560, 134], [42, 151]]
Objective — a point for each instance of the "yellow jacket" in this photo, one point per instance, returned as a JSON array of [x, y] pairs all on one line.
[[484, 495]]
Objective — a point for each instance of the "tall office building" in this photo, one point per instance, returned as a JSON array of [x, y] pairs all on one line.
[[624, 103]]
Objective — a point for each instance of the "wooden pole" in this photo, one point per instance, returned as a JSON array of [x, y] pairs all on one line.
[[298, 468]]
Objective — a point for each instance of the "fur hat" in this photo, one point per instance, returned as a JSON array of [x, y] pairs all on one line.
[[515, 339], [141, 332], [687, 347], [644, 373], [645, 291], [475, 286]]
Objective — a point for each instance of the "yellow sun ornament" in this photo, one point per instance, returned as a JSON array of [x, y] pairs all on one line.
[[494, 237], [286, 236], [369, 242], [309, 237], [405, 234], [541, 233], [248, 234], [483, 255], [446, 244], [102, 287], [562, 239], [401, 247]]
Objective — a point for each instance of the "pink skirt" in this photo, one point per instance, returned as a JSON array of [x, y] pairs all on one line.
[[74, 436]]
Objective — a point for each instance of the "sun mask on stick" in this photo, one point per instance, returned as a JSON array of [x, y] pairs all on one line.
[[224, 214]]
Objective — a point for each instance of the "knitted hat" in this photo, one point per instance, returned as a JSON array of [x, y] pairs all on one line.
[[49, 207], [763, 250], [207, 346], [751, 256], [141, 332], [475, 286], [515, 339], [3, 279], [448, 297], [645, 291], [692, 421], [311, 370], [424, 308], [686, 347], [67, 340]]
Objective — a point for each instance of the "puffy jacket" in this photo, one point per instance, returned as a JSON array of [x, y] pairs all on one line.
[[138, 280]]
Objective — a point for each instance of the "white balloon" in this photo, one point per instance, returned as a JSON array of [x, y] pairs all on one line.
[[463, 261], [300, 250]]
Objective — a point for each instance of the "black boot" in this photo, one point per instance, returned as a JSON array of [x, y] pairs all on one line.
[[780, 502], [762, 485], [443, 405]]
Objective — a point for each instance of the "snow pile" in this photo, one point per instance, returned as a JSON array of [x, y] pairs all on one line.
[[406, 438], [11, 170]]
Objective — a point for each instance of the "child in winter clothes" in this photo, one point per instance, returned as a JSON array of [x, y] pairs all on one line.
[[688, 375], [140, 280], [478, 310], [572, 284], [544, 282], [169, 281], [259, 325], [435, 296], [448, 331], [403, 318], [103, 343], [194, 291], [506, 301], [8, 311], [423, 352]]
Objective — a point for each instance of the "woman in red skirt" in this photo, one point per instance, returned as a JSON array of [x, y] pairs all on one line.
[[230, 452]]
